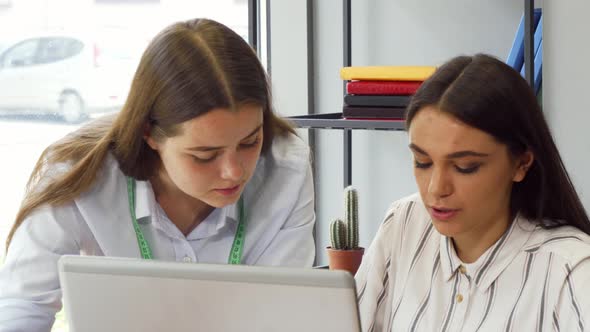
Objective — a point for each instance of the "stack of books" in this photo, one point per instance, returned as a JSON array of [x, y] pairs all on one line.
[[381, 92]]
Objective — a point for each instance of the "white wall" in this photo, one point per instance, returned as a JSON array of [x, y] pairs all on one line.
[[566, 70], [390, 32], [416, 32], [289, 60]]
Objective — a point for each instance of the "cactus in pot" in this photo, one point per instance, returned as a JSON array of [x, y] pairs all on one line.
[[344, 235], [345, 253]]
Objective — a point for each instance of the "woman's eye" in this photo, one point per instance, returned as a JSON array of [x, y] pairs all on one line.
[[421, 165], [204, 160], [467, 170], [250, 143]]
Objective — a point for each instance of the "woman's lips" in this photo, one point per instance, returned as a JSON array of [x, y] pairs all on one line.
[[441, 213], [228, 191]]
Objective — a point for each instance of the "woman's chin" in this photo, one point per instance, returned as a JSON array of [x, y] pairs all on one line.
[[447, 228]]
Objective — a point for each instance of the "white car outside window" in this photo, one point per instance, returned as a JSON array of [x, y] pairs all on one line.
[[70, 75]]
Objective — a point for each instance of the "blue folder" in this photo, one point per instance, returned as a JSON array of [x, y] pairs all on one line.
[[516, 55]]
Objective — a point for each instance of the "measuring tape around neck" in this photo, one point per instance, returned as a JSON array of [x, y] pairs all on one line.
[[235, 254]]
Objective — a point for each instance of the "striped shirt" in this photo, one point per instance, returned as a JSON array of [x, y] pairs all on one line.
[[531, 279]]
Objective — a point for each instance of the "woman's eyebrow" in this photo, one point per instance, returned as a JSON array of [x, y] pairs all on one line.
[[211, 148], [466, 153], [417, 149], [454, 155]]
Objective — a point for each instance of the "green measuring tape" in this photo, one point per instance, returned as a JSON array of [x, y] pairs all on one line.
[[235, 254]]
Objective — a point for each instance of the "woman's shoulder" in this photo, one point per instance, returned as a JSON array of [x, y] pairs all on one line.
[[406, 229], [566, 243], [109, 178], [105, 209], [104, 190], [71, 219], [407, 220], [409, 208], [289, 151], [285, 165]]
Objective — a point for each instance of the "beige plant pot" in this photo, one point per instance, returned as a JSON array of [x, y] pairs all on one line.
[[348, 260]]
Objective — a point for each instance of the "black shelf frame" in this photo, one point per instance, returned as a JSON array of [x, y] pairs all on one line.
[[529, 52], [335, 120]]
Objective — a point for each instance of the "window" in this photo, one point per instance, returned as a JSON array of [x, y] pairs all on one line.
[[21, 55], [53, 49], [125, 1], [56, 49]]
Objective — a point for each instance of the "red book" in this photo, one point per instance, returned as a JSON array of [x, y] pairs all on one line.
[[403, 88]]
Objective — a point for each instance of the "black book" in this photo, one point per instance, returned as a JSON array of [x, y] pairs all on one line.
[[366, 112], [364, 100]]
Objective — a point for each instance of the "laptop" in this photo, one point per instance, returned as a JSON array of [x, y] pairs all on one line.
[[125, 294]]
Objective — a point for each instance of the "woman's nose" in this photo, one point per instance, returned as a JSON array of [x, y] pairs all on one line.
[[440, 183], [232, 168]]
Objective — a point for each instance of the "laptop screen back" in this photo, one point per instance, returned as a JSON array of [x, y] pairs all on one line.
[[115, 294]]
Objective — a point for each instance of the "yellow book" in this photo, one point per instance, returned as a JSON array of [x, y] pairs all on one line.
[[387, 73]]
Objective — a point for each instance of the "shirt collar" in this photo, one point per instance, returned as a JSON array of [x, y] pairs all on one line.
[[145, 207], [231, 214], [488, 266], [449, 264], [144, 199], [215, 221]]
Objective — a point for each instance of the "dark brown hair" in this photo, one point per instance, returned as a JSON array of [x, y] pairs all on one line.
[[187, 70], [489, 95]]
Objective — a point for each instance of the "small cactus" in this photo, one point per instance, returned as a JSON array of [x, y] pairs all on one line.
[[338, 234], [344, 235]]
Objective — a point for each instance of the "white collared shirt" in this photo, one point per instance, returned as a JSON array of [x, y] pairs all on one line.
[[531, 279], [279, 208]]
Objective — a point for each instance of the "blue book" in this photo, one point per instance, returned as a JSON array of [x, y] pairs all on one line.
[[516, 56], [538, 78], [538, 56]]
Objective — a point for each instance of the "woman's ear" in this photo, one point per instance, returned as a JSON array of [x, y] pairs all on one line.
[[523, 164], [148, 138]]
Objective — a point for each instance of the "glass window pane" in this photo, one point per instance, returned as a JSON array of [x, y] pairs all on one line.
[[58, 49], [64, 62], [21, 54]]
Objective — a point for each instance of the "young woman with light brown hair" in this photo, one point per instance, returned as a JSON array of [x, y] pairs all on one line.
[[194, 168]]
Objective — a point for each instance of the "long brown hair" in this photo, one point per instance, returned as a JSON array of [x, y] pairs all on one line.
[[187, 70], [489, 95]]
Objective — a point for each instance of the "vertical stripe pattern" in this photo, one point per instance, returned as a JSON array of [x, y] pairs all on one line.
[[530, 279]]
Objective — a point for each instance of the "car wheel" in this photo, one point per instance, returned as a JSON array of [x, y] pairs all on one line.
[[71, 107]]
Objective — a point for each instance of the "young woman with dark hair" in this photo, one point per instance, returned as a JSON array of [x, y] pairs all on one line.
[[497, 238], [195, 168]]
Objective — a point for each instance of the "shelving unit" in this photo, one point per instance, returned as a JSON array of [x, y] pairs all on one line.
[[335, 120]]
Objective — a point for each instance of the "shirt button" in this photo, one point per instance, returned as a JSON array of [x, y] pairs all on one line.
[[459, 298], [462, 269], [187, 259]]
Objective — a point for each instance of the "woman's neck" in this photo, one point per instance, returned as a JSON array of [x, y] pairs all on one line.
[[186, 212], [471, 245]]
